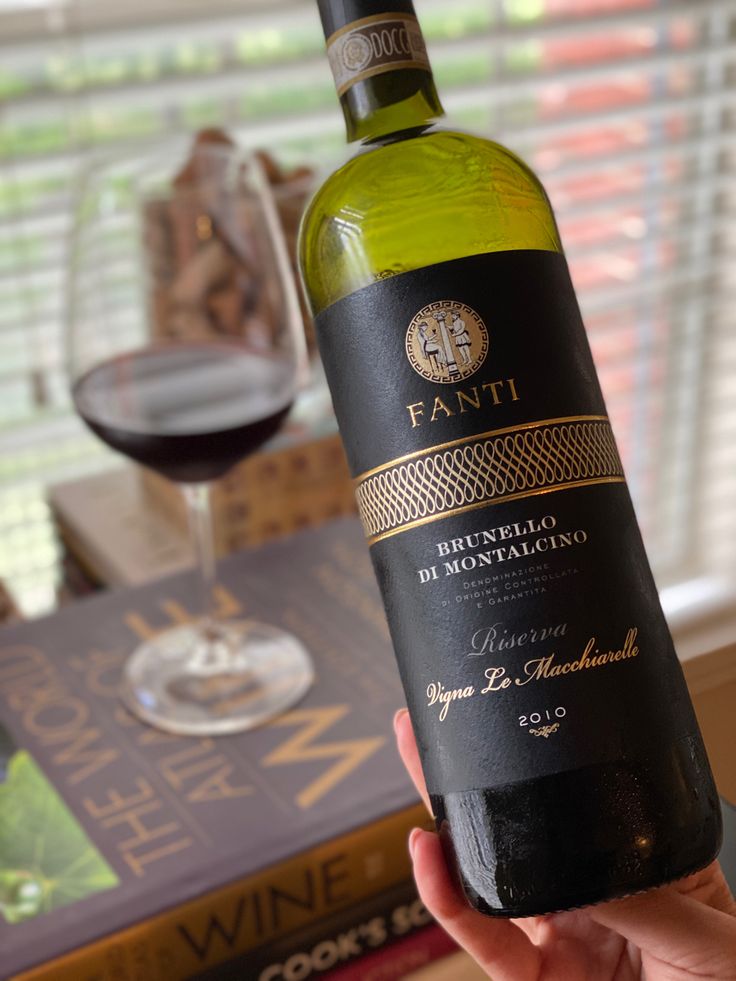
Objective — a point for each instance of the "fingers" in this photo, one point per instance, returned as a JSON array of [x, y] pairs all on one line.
[[677, 928], [499, 946], [410, 754], [495, 944], [708, 886], [690, 925]]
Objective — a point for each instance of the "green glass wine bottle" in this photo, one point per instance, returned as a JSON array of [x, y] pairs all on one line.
[[558, 741]]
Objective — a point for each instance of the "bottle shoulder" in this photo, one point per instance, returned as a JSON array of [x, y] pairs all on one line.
[[427, 163], [412, 202]]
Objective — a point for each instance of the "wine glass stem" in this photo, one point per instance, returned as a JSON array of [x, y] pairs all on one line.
[[197, 497]]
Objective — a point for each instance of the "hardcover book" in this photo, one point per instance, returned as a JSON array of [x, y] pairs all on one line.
[[421, 949], [129, 853], [350, 938]]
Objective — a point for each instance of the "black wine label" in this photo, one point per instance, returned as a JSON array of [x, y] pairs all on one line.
[[373, 45], [525, 619]]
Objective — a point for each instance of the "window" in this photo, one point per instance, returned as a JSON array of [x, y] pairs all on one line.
[[626, 108]]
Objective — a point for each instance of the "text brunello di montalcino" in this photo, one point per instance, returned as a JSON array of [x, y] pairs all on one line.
[[512, 533]]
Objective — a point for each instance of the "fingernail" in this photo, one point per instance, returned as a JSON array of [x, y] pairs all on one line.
[[399, 715], [413, 839]]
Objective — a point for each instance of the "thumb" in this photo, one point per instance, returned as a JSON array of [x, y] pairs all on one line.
[[690, 925]]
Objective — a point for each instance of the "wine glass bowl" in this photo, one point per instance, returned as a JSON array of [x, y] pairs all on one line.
[[189, 410], [185, 351]]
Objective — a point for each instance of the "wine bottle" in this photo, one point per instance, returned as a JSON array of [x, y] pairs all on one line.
[[558, 741]]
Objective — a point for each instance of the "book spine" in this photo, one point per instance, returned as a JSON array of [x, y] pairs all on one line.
[[346, 937], [425, 946], [246, 914]]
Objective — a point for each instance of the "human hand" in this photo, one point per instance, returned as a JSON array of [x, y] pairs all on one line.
[[681, 932]]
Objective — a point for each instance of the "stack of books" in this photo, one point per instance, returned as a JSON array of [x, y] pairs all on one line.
[[127, 853]]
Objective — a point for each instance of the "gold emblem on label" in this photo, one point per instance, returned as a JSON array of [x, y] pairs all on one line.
[[356, 53], [446, 342]]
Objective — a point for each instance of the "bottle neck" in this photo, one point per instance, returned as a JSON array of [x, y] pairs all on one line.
[[379, 62], [390, 103]]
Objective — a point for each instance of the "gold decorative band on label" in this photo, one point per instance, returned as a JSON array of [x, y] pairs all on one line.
[[478, 471]]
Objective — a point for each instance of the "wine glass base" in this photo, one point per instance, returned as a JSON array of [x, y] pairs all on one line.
[[190, 683]]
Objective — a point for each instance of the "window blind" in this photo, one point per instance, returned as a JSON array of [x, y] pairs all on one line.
[[626, 109]]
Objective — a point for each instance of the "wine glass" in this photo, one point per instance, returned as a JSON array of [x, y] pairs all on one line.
[[185, 350]]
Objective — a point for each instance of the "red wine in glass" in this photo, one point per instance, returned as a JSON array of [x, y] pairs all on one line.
[[187, 410]]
